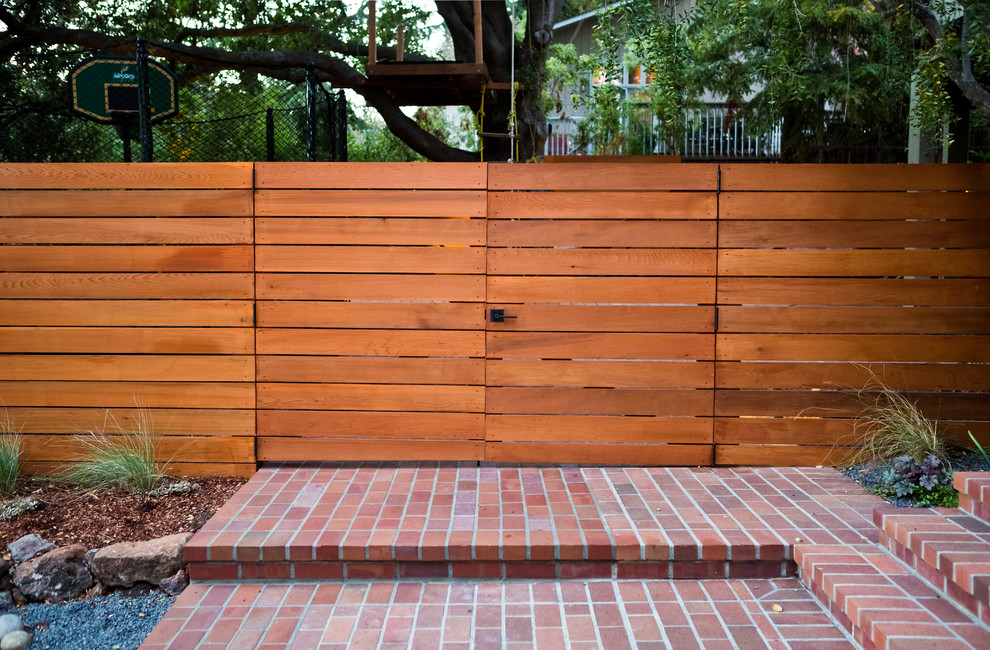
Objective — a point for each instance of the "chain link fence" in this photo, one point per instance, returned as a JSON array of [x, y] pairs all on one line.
[[227, 116]]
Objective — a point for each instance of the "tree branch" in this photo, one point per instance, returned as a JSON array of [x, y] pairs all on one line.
[[961, 70]]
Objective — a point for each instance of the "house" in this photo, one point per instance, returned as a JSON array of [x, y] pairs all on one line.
[[709, 133]]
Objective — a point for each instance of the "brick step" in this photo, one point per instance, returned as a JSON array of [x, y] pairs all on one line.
[[948, 548], [498, 615], [974, 493], [882, 603]]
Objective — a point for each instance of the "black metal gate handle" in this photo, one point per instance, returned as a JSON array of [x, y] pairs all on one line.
[[499, 316]]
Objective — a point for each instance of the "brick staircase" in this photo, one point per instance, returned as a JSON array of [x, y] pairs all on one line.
[[927, 583], [418, 555]]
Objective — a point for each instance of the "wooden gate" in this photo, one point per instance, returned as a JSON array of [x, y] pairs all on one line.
[[372, 312], [607, 274]]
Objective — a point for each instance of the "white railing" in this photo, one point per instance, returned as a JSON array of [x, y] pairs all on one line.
[[709, 134]]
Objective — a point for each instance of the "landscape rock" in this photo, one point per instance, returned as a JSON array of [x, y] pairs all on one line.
[[5, 566], [127, 563], [175, 585], [27, 547], [10, 623], [56, 576], [6, 600], [16, 641]]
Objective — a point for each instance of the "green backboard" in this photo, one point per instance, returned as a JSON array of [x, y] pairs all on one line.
[[104, 86]]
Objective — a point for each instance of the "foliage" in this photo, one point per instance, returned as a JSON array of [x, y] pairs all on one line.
[[927, 482], [10, 453], [125, 458], [892, 426], [13, 507], [979, 447]]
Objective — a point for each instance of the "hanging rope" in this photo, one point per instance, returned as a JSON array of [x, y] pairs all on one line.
[[481, 123]]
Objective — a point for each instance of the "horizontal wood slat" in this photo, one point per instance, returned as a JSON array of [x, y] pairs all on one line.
[[126, 175], [166, 286], [598, 345], [683, 290], [357, 424], [120, 313], [122, 394], [410, 288], [126, 203], [853, 376], [844, 404], [378, 203], [592, 428], [180, 448], [948, 292], [371, 397], [598, 401], [601, 204], [120, 230], [603, 454], [465, 176], [193, 422], [607, 318], [618, 176], [856, 348], [372, 315], [306, 449], [397, 343], [776, 455], [127, 340], [854, 178], [141, 367], [371, 370], [594, 261], [858, 234], [845, 205], [127, 258], [855, 320], [602, 233], [373, 230], [192, 469], [953, 263], [601, 374], [370, 259]]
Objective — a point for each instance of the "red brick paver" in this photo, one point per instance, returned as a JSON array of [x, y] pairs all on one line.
[[777, 613]]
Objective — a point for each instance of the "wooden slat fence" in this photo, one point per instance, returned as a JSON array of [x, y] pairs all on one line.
[[611, 356], [832, 278], [666, 314], [371, 292], [126, 287]]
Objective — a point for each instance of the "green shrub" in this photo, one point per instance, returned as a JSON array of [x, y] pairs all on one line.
[[10, 453], [928, 483], [126, 458]]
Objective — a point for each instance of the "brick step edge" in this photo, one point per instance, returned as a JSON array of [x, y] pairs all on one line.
[[948, 549], [548, 570], [881, 603], [974, 493]]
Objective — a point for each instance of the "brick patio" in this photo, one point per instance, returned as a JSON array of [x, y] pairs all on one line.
[[425, 555]]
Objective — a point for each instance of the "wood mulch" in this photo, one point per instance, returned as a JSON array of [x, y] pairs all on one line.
[[67, 514]]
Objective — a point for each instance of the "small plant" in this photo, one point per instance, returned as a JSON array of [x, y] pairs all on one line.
[[14, 507], [979, 447], [928, 482], [892, 426], [178, 487], [10, 453], [125, 458]]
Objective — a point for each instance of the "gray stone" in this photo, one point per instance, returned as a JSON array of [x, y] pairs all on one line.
[[6, 600], [27, 547], [16, 641], [126, 563], [10, 623], [175, 585], [56, 576]]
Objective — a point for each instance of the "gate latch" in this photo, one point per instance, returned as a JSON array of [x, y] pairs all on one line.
[[499, 316]]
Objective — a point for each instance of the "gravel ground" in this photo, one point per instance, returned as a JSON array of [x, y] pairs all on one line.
[[112, 622]]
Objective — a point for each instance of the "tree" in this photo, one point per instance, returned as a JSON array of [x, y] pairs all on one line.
[[279, 38], [834, 73]]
